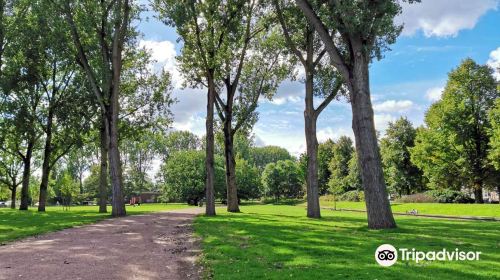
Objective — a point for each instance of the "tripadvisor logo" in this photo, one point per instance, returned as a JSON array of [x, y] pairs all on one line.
[[387, 255]]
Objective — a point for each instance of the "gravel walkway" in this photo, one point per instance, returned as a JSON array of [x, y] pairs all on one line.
[[153, 246]]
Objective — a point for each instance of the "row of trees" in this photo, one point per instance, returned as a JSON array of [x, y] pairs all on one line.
[[238, 53], [72, 86]]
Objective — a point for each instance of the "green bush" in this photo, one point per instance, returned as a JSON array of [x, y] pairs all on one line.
[[450, 196], [352, 196], [417, 198]]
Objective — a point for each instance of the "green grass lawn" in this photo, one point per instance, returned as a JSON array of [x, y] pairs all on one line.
[[15, 224], [453, 209], [279, 242]]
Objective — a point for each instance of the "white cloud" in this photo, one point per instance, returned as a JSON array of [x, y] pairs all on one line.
[[393, 106], [494, 62], [163, 52], [382, 121], [434, 94], [442, 18], [334, 134]]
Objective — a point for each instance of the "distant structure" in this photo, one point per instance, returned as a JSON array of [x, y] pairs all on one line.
[[145, 197]]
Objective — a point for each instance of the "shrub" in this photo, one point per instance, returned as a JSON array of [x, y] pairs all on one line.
[[450, 196], [416, 198], [352, 196], [282, 180]]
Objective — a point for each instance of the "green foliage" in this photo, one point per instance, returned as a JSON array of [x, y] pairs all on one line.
[[183, 177], [416, 198], [343, 167], [494, 133], [261, 156], [450, 196], [402, 176], [68, 188], [282, 180], [325, 156], [248, 180], [354, 195], [452, 150]]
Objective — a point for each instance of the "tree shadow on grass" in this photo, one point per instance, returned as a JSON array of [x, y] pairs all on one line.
[[271, 246]]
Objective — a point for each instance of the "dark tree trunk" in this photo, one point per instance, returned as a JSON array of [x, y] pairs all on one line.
[[313, 209], [13, 196], [115, 170], [377, 203], [103, 172], [46, 164], [26, 176], [232, 191], [478, 192], [209, 149]]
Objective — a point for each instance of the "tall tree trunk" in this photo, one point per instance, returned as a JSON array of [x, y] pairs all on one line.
[[232, 191], [209, 161], [377, 202], [46, 164], [313, 209], [13, 196], [103, 172], [26, 176], [115, 170], [478, 192]]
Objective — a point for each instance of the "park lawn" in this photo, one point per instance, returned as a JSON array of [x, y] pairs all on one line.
[[452, 209], [15, 224], [279, 242]]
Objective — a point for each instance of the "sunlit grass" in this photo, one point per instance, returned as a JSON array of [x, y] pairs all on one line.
[[279, 242], [453, 209], [15, 224]]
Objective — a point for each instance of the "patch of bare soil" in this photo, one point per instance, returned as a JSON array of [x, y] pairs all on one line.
[[152, 246]]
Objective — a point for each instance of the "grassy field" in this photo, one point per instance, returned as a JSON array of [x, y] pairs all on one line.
[[15, 224], [278, 242], [453, 209]]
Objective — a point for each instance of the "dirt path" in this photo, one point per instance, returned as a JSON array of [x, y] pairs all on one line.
[[153, 246]]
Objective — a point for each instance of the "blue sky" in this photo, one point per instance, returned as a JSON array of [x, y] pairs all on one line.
[[438, 34]]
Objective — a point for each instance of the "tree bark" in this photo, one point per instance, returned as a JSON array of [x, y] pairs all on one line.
[[313, 209], [13, 196], [209, 161], [232, 191], [377, 203], [26, 176], [46, 164], [103, 172], [478, 192], [115, 170]]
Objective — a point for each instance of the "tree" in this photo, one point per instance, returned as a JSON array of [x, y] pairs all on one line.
[[112, 30], [248, 180], [66, 106], [343, 151], [355, 32], [20, 91], [183, 176], [325, 155], [206, 29], [177, 141], [457, 133], [262, 156], [282, 179], [10, 169], [403, 177], [302, 41], [260, 69], [494, 133]]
